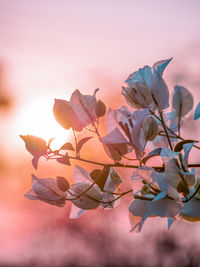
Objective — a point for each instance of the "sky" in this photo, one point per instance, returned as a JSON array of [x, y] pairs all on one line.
[[48, 49]]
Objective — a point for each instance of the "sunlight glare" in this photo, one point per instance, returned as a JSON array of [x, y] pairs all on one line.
[[36, 118]]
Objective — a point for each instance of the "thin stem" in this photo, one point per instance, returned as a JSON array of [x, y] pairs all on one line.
[[75, 139], [99, 201], [179, 119], [166, 132], [120, 165]]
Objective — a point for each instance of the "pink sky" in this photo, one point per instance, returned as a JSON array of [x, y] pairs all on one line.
[[49, 48]]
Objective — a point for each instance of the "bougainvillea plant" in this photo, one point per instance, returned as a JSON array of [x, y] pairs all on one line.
[[171, 190]]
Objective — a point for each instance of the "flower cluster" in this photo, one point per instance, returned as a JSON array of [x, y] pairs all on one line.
[[171, 190]]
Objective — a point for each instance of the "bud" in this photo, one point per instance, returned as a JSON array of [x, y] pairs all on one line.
[[138, 95], [35, 145], [100, 109], [150, 128]]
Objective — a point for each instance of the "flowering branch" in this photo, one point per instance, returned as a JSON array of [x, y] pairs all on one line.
[[171, 191]]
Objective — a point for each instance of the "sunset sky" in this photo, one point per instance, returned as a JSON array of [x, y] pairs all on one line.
[[48, 49]]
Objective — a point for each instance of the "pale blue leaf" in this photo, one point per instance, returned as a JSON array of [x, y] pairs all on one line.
[[182, 101], [160, 196], [187, 148], [157, 86], [197, 112], [169, 222], [192, 208], [161, 65], [75, 212], [165, 207]]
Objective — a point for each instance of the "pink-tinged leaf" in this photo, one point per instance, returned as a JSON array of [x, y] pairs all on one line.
[[81, 143], [116, 151], [35, 162], [84, 107], [112, 182], [109, 201], [35, 145], [67, 146], [31, 195], [45, 188], [114, 137], [112, 119], [66, 116], [81, 175], [90, 199], [64, 160]]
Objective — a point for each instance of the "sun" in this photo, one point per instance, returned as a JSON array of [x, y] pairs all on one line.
[[36, 118]]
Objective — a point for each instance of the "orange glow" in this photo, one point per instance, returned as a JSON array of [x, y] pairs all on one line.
[[36, 118]]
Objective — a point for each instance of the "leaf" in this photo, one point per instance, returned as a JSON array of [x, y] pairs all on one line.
[[161, 65], [45, 188], [170, 221], [90, 199], [62, 183], [35, 162], [197, 112], [66, 116], [64, 160], [75, 212], [150, 128], [81, 143], [187, 148], [81, 175], [153, 153], [35, 145], [157, 86], [160, 196], [179, 146], [165, 207], [112, 201], [112, 181], [192, 209], [31, 195], [67, 146], [100, 176], [84, 107], [138, 207], [182, 101]]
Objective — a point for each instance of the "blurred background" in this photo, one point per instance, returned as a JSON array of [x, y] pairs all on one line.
[[48, 49]]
